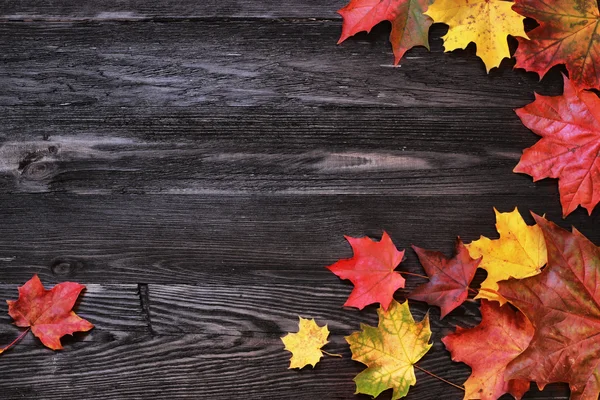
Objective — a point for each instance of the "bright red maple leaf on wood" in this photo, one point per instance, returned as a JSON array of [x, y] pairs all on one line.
[[569, 33], [501, 336], [371, 270], [410, 26], [563, 304], [570, 146], [448, 286], [48, 312]]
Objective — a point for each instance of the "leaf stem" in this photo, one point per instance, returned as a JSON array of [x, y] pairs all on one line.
[[473, 290], [439, 377], [331, 354], [413, 274], [15, 341], [491, 291]]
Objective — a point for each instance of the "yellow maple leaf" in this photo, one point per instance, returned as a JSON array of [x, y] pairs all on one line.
[[519, 253], [390, 351], [305, 345], [485, 22]]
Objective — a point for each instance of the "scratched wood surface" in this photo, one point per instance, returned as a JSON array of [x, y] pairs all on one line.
[[197, 163]]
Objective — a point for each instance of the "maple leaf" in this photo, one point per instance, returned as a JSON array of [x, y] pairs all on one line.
[[485, 22], [305, 345], [390, 351], [563, 304], [371, 270], [449, 281], [569, 33], [570, 146], [48, 312], [410, 27], [519, 253], [501, 336]]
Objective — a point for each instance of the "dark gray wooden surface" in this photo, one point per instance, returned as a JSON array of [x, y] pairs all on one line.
[[196, 164]]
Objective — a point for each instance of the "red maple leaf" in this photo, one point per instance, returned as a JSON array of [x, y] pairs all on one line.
[[570, 146], [569, 33], [448, 286], [563, 304], [371, 270], [410, 26], [501, 336], [48, 312]]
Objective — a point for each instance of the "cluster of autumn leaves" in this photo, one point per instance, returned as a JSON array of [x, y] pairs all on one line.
[[540, 309], [568, 33]]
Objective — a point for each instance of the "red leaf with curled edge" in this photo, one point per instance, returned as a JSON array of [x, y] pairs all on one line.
[[371, 270], [410, 26], [563, 304], [48, 312], [449, 279], [570, 146], [569, 33], [501, 336]]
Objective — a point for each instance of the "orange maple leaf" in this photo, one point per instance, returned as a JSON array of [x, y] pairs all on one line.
[[48, 312]]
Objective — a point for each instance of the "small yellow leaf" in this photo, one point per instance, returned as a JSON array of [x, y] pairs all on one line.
[[519, 253], [485, 22], [305, 345], [390, 351]]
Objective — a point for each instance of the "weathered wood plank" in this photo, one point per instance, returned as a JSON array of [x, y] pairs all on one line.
[[242, 63], [192, 366], [206, 366], [248, 150], [165, 9], [113, 309], [234, 239], [221, 342], [274, 308]]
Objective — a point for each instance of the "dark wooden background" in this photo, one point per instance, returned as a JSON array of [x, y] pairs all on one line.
[[197, 163]]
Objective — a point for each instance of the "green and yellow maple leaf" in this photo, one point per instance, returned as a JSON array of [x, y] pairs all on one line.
[[390, 351], [305, 345]]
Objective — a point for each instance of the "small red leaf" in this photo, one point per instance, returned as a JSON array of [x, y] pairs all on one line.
[[371, 270], [449, 281], [48, 312]]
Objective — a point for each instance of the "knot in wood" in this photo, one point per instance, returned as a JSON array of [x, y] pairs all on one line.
[[65, 266], [39, 171]]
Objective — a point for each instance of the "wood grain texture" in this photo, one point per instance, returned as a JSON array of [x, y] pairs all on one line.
[[135, 10], [233, 239], [242, 63], [263, 150]]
